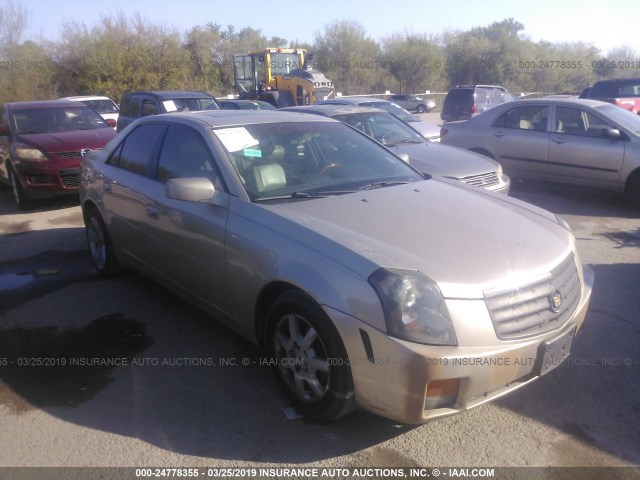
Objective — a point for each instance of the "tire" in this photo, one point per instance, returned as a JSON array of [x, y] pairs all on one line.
[[23, 202], [421, 109], [633, 189], [100, 245], [309, 358]]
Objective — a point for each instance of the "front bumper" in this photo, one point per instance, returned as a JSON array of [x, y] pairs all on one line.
[[50, 178], [503, 187], [396, 379]]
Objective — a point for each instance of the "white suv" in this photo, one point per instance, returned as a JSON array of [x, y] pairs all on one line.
[[106, 107]]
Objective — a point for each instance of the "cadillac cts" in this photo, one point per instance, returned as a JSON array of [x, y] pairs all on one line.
[[367, 283]]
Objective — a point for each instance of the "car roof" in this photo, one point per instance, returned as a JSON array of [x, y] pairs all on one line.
[[330, 110], [171, 94], [45, 104], [232, 118], [80, 98], [619, 80], [240, 100], [353, 100], [561, 101]]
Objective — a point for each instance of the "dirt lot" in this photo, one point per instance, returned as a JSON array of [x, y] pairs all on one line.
[[183, 396]]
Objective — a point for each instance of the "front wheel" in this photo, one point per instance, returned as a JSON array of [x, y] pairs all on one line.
[[19, 195], [309, 357], [421, 109]]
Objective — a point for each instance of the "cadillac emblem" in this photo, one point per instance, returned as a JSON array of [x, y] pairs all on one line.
[[555, 300]]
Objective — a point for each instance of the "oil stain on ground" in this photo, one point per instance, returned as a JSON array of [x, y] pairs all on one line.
[[48, 367]]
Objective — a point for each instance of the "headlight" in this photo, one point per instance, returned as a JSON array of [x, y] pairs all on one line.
[[414, 308], [29, 153]]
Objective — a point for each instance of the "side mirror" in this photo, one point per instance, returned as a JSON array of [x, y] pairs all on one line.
[[198, 189], [611, 133]]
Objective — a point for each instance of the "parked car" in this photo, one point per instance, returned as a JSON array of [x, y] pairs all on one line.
[[41, 144], [623, 92], [584, 142], [412, 103], [106, 107], [466, 101], [365, 282], [235, 104], [142, 104], [428, 130], [430, 158]]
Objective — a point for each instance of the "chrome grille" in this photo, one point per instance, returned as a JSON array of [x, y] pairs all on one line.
[[527, 311], [70, 177], [482, 180]]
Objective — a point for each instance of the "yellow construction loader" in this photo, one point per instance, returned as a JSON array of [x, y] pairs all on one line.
[[283, 77]]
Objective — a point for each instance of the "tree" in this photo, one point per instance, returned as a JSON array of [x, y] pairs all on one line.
[[348, 56], [485, 55], [24, 66], [416, 62], [619, 62]]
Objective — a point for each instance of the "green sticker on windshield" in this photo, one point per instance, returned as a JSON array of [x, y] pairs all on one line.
[[252, 152]]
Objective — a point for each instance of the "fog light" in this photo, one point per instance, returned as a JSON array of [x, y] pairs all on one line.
[[442, 393], [41, 179]]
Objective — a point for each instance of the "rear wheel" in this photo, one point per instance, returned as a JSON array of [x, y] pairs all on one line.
[[310, 360], [633, 189], [421, 109], [100, 246]]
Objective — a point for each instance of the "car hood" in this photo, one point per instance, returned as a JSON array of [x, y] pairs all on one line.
[[465, 240], [427, 130], [446, 161], [74, 140]]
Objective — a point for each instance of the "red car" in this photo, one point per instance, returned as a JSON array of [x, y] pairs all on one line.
[[623, 92], [42, 143]]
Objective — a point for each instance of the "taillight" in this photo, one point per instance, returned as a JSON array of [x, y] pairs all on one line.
[[474, 109], [443, 132]]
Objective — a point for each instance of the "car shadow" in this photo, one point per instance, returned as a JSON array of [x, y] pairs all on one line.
[[9, 207], [573, 199]]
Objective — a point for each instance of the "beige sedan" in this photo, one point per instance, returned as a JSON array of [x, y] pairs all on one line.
[[367, 283], [582, 142]]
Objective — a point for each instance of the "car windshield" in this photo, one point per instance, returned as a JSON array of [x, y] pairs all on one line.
[[190, 104], [102, 106], [621, 116], [56, 119], [385, 128], [279, 161], [392, 108]]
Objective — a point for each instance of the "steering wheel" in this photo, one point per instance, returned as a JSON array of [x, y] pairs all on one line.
[[328, 168]]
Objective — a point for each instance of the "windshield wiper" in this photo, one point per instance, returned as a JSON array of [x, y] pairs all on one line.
[[402, 142], [300, 194], [386, 183]]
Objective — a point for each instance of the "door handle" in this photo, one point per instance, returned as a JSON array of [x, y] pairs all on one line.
[[558, 141], [152, 211], [498, 134]]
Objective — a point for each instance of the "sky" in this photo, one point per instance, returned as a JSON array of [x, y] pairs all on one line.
[[606, 27]]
